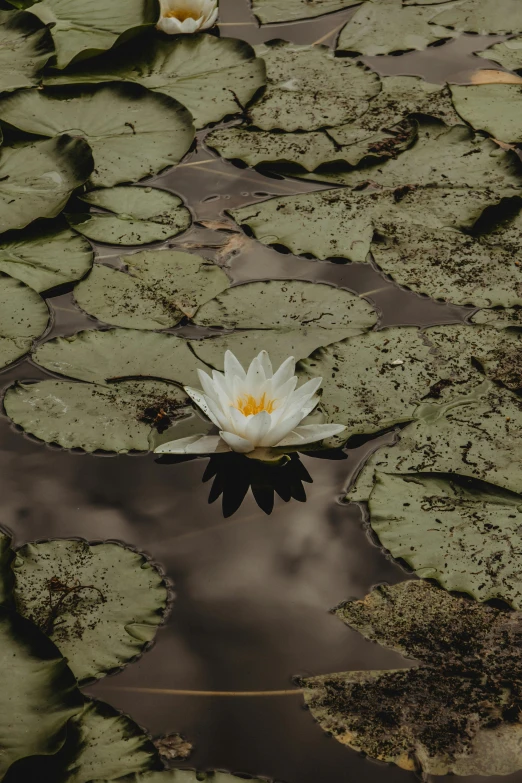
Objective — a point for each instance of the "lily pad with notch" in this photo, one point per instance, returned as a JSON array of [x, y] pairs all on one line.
[[133, 133], [273, 11], [487, 17], [134, 216], [460, 699], [508, 54], [494, 108], [161, 288], [23, 318], [25, 47], [213, 77]]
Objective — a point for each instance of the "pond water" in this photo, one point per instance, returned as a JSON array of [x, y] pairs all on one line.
[[253, 591]]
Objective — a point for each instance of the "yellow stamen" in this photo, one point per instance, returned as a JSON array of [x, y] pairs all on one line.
[[249, 406], [182, 13]]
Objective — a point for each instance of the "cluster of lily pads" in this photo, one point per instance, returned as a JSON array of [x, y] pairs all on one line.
[[424, 182]]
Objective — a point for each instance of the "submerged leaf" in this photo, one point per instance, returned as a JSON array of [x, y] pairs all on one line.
[[271, 11], [457, 712], [133, 133], [43, 257], [25, 47], [139, 216], [101, 604], [36, 180], [213, 77], [23, 317], [495, 108], [162, 287]]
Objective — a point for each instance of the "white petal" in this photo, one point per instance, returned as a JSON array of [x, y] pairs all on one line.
[[266, 364], [203, 403], [310, 433], [191, 25], [309, 406], [285, 372], [307, 390], [281, 429], [255, 377], [208, 385], [169, 25], [257, 427], [211, 21], [194, 444], [238, 421], [283, 390], [219, 414], [236, 443], [233, 367]]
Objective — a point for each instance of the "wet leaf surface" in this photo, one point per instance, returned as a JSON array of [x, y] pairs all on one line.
[[487, 16], [456, 712], [269, 11], [159, 290], [25, 47], [508, 53], [494, 108], [23, 317]]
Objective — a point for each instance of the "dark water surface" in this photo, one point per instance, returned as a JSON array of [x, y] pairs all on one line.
[[253, 591]]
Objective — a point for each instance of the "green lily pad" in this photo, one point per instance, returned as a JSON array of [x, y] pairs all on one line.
[[6, 574], [36, 180], [286, 304], [101, 356], [465, 537], [25, 47], [309, 88], [38, 696], [43, 257], [272, 11], [101, 604], [139, 216], [133, 132], [23, 318], [119, 417], [478, 436], [508, 54], [212, 77], [340, 223], [500, 318], [485, 17], [79, 32], [160, 289], [187, 776], [382, 28], [460, 700], [449, 265], [495, 108]]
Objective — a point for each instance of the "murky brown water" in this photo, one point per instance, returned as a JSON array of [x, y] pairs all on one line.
[[253, 591]]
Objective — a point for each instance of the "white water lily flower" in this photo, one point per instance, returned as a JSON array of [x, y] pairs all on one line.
[[255, 410], [187, 16]]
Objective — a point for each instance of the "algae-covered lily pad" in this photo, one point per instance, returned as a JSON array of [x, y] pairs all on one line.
[[6, 574], [460, 700], [381, 28], [495, 108], [119, 417], [308, 88], [101, 356], [508, 54], [135, 216], [43, 257], [272, 11], [496, 17], [160, 289], [25, 47], [101, 604], [466, 537], [212, 77], [38, 695], [36, 180], [23, 318], [133, 132], [81, 31]]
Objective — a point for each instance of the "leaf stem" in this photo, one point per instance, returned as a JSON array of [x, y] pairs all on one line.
[[233, 694]]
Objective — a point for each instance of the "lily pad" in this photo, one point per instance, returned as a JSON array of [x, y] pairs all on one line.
[[43, 257], [79, 33], [460, 700], [23, 317], [286, 304], [119, 417], [495, 108], [508, 54], [25, 47], [133, 132], [188, 776], [38, 696], [6, 574], [500, 318], [382, 28], [496, 17], [101, 356], [36, 180], [340, 223], [309, 88], [463, 536], [477, 436], [160, 289], [449, 265], [272, 11], [139, 216], [101, 604], [212, 77]]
